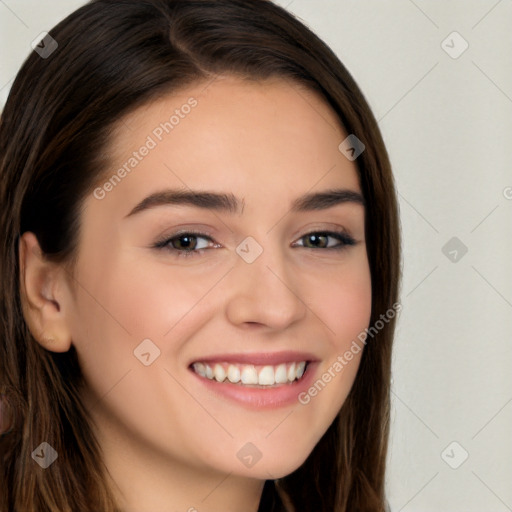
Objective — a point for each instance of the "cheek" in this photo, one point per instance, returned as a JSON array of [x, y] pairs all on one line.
[[125, 303], [347, 309], [344, 301], [344, 306], [132, 302], [121, 308]]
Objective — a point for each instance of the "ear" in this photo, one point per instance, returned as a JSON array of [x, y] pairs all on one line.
[[44, 296]]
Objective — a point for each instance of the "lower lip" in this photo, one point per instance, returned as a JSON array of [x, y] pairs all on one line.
[[262, 398]]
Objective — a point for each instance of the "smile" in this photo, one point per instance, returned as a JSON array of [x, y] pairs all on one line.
[[250, 374]]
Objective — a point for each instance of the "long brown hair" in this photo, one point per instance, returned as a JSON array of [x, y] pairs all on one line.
[[112, 57]]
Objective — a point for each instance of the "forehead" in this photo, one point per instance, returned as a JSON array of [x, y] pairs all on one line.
[[229, 133]]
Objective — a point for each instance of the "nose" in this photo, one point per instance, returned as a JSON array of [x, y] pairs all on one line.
[[265, 292]]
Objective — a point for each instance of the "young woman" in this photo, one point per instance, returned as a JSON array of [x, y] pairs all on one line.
[[200, 268]]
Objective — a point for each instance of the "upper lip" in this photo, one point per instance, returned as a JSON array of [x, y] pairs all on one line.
[[258, 358]]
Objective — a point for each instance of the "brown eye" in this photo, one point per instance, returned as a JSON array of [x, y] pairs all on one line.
[[323, 240], [184, 242], [316, 240]]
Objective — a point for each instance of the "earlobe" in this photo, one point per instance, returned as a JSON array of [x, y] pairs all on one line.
[[42, 296]]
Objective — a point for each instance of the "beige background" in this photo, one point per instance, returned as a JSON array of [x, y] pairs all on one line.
[[447, 123]]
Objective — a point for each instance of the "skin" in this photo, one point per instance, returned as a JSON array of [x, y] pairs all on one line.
[[169, 444]]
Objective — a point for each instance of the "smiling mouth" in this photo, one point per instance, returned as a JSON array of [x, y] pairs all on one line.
[[251, 375]]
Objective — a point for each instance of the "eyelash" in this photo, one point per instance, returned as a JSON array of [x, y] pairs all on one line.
[[164, 244]]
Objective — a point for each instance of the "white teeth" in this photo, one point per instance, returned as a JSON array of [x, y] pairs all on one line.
[[280, 374], [292, 374], [266, 376], [233, 373], [200, 369], [300, 369], [248, 374], [219, 373]]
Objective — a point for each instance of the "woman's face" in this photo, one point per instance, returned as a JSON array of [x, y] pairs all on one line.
[[225, 273]]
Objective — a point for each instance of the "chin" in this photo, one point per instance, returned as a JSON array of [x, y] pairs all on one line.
[[277, 465]]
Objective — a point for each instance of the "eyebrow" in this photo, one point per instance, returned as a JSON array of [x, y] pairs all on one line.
[[227, 202]]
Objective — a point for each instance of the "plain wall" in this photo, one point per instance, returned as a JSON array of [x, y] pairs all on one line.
[[447, 123]]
